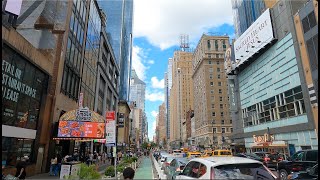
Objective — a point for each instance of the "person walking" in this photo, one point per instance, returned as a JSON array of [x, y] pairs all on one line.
[[21, 168], [54, 162], [58, 165], [90, 158], [128, 173]]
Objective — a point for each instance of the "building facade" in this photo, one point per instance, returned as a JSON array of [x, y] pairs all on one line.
[[306, 24], [275, 104], [181, 94], [213, 122], [119, 29], [137, 90], [162, 125], [168, 85]]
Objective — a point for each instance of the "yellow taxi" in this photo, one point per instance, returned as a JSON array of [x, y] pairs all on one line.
[[193, 154], [206, 153], [222, 152]]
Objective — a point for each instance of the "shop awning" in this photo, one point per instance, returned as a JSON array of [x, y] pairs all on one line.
[[273, 144]]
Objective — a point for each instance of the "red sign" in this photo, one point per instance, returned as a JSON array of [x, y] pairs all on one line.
[[81, 129], [110, 115]]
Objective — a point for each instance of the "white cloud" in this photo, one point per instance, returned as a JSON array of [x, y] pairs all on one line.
[[162, 22], [154, 125], [154, 96], [155, 83], [151, 62], [154, 114], [138, 56]]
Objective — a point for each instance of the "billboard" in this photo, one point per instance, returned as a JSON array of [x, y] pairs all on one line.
[[110, 128], [78, 129], [257, 36]]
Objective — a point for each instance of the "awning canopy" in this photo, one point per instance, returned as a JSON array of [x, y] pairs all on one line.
[[273, 144]]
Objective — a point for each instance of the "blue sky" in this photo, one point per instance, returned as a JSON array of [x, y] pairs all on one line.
[[156, 31]]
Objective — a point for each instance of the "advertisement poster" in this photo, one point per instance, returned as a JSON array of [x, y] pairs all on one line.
[[75, 169], [81, 129], [110, 128], [65, 171]]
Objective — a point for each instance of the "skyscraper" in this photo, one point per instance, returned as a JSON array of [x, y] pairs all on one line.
[[245, 12], [119, 29], [168, 84], [137, 93]]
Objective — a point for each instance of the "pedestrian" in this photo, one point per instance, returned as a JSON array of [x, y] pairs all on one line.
[[90, 158], [53, 164], [21, 168], [128, 173], [95, 158], [58, 165]]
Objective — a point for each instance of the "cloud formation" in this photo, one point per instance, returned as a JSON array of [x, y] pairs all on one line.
[[151, 62], [154, 114], [155, 83], [138, 56], [154, 96], [162, 22]]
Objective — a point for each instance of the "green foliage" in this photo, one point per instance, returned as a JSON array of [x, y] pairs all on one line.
[[121, 167], [110, 171], [134, 159], [89, 172]]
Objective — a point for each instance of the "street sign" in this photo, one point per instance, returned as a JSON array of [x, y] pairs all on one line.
[[110, 115], [83, 114], [110, 127], [80, 99]]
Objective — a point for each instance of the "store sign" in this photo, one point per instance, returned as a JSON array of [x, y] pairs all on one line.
[[12, 85], [121, 120], [110, 128], [77, 129], [232, 97], [83, 114], [257, 36], [263, 139], [65, 171]]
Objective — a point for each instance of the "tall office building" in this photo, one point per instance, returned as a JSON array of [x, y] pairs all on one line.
[[181, 94], [245, 12], [211, 109], [168, 84], [119, 29], [137, 91], [162, 124]]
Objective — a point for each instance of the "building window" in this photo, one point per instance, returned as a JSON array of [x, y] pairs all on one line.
[[208, 44], [223, 130], [221, 114], [213, 113], [210, 61], [219, 76], [230, 121], [210, 69], [216, 44], [211, 91], [212, 106], [220, 91], [220, 98], [211, 76], [222, 121], [218, 69], [219, 83], [231, 130], [312, 47], [214, 130], [211, 84], [309, 22], [221, 106]]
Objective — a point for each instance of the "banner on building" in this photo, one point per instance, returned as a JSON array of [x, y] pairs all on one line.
[[232, 96], [256, 37], [110, 128]]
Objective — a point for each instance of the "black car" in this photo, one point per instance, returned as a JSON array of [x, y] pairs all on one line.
[[309, 174], [299, 161]]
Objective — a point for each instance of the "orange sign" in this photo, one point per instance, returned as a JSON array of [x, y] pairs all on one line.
[[110, 115], [81, 129]]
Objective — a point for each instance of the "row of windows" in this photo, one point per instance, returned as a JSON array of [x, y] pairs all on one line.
[[284, 105], [70, 82], [309, 22], [223, 130], [211, 70]]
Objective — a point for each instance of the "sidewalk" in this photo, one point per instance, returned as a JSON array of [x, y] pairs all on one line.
[[44, 176], [145, 170]]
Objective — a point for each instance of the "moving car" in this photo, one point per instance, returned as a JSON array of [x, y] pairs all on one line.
[[206, 153], [176, 166], [265, 156], [225, 168], [222, 152], [309, 174], [299, 161], [166, 163], [193, 154]]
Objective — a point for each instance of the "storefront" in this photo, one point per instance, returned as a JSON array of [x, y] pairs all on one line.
[[24, 87]]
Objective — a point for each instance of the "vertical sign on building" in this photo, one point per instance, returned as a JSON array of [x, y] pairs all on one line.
[[232, 97], [110, 128]]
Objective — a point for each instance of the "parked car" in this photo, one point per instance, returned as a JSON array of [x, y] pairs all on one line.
[[176, 166], [163, 158], [222, 152], [166, 162], [309, 174], [225, 168], [250, 156], [299, 161]]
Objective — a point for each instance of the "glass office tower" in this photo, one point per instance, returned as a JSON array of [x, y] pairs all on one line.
[[119, 29], [245, 12]]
